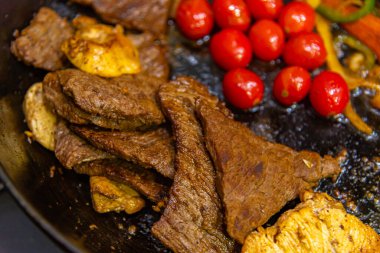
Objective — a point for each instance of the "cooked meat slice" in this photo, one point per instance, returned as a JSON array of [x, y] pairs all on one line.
[[110, 196], [39, 44], [256, 178], [144, 15], [151, 149], [192, 220], [144, 181], [318, 224], [71, 150], [152, 55], [126, 102]]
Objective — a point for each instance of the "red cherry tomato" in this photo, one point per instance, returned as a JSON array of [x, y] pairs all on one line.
[[329, 93], [243, 88], [194, 18], [267, 39], [231, 14], [297, 17], [264, 9], [305, 50], [291, 85], [231, 49]]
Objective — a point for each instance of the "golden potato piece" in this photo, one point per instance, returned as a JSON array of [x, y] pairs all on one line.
[[41, 121], [108, 196], [101, 49], [318, 224]]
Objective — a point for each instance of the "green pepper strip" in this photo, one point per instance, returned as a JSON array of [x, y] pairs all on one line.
[[338, 17], [357, 45]]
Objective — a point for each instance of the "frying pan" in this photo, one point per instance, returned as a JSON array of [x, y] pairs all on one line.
[[59, 200]]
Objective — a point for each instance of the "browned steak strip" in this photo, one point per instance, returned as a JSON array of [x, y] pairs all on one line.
[[193, 220], [126, 102], [144, 181], [71, 150], [39, 44], [256, 177], [152, 55], [144, 15], [75, 153], [151, 149]]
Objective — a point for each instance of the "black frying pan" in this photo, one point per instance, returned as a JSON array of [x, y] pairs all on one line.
[[62, 204]]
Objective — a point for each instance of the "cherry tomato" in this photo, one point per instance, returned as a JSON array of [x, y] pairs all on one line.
[[231, 49], [291, 85], [297, 17], [264, 9], [329, 93], [231, 14], [267, 39], [194, 18], [305, 50], [243, 88]]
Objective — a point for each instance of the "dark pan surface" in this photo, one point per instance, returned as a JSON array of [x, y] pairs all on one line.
[[62, 205]]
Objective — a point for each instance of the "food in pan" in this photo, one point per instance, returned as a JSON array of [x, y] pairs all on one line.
[[137, 135]]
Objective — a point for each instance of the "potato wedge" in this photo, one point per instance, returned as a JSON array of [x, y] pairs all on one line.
[[41, 121], [101, 50], [108, 196]]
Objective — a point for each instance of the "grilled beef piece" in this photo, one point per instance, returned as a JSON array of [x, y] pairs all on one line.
[[144, 15], [256, 178], [144, 181], [192, 220], [152, 55], [39, 44], [75, 153], [126, 102], [71, 150], [151, 149]]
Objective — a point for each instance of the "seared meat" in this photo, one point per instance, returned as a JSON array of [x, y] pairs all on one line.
[[256, 178], [192, 220], [152, 149], [71, 150], [39, 44], [318, 224], [144, 181], [75, 153], [126, 102], [145, 15], [110, 196], [152, 55]]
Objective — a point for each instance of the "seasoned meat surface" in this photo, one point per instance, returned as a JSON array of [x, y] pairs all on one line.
[[71, 150], [126, 102], [144, 181], [144, 15], [193, 219], [151, 149], [256, 178], [152, 55], [318, 224], [39, 44]]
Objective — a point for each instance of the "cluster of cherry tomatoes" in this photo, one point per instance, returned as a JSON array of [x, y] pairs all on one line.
[[278, 30]]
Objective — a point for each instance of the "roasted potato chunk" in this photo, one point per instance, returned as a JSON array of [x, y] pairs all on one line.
[[101, 49], [108, 196], [41, 121]]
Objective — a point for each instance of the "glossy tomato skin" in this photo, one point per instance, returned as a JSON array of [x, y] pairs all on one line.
[[296, 18], [264, 9], [291, 85], [329, 93], [231, 49], [267, 39], [231, 14], [194, 18], [243, 88], [305, 50]]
